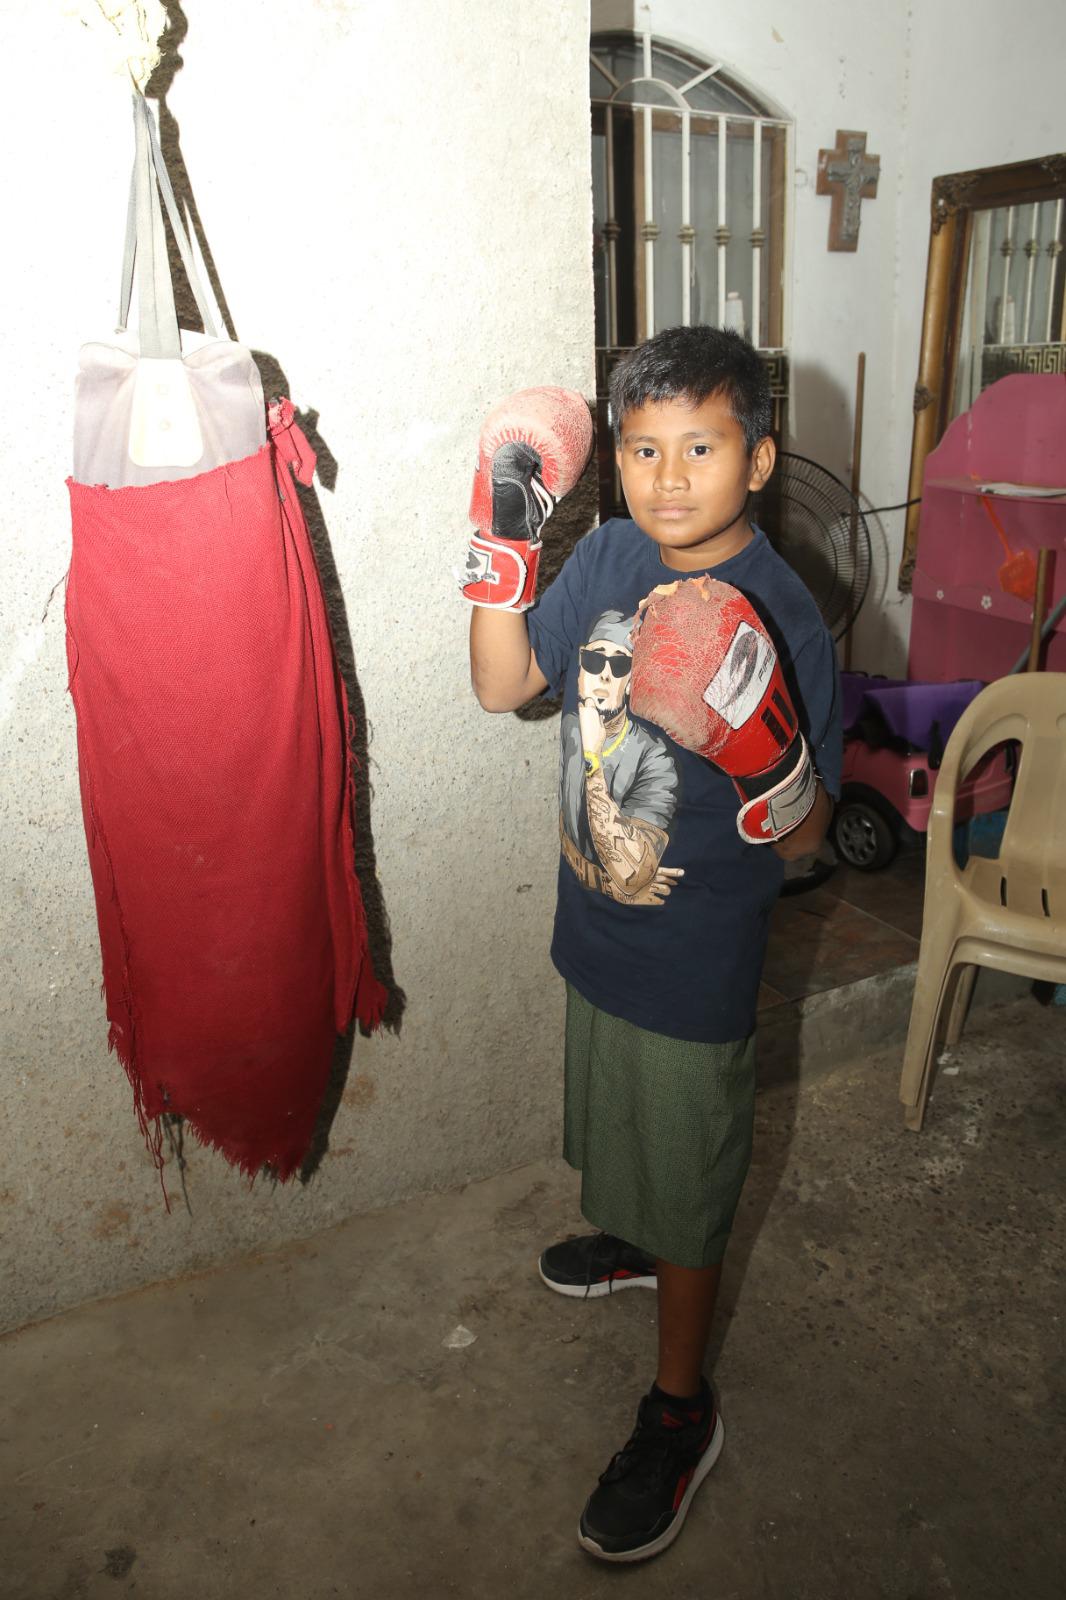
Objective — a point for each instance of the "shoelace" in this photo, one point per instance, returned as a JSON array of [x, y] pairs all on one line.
[[611, 1257], [647, 1450]]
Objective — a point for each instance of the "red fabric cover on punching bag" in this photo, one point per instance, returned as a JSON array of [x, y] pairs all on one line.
[[216, 787]]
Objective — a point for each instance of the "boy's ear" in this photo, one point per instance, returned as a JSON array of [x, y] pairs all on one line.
[[762, 464]]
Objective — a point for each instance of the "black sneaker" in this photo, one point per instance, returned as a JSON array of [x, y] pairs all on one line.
[[644, 1496], [595, 1264]]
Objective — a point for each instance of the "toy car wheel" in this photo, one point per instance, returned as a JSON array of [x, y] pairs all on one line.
[[863, 836]]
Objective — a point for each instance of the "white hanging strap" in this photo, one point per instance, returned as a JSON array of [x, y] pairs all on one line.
[[157, 174], [157, 318], [164, 426], [129, 251], [177, 225]]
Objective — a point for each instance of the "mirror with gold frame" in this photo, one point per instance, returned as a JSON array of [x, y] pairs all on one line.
[[994, 298]]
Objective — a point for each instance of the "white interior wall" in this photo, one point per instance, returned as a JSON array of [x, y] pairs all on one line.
[[826, 64], [985, 89], [938, 87], [408, 249]]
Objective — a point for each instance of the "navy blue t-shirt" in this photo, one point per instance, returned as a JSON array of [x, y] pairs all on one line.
[[684, 956]]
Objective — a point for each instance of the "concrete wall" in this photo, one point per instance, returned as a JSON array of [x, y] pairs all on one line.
[[397, 202]]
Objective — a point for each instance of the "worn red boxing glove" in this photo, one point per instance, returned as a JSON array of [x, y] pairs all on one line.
[[706, 671], [533, 449]]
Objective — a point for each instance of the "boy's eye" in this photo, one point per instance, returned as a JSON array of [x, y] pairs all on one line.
[[699, 450], [644, 452]]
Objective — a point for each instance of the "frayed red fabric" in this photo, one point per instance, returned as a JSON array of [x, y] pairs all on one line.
[[216, 782]]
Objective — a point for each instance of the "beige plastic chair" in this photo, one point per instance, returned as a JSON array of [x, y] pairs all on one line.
[[1009, 913]]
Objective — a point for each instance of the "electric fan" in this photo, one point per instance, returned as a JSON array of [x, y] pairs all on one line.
[[814, 522]]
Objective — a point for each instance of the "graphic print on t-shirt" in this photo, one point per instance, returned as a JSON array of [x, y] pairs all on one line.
[[619, 784]]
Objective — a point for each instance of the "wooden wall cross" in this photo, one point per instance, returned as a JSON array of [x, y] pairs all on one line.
[[850, 176]]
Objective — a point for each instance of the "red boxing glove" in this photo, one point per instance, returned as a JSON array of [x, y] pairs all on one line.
[[533, 449], [706, 671]]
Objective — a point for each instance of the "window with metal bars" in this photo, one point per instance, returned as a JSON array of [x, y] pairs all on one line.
[[1014, 300], [689, 183]]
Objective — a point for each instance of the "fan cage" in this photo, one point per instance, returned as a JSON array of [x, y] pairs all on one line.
[[816, 524]]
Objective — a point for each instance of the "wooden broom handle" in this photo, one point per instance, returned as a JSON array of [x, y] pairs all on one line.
[[1043, 561], [856, 474]]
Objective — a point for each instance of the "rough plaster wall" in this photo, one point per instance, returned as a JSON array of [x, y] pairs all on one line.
[[397, 202], [938, 88]]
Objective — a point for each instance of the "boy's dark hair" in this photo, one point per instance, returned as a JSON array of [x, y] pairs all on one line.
[[692, 364]]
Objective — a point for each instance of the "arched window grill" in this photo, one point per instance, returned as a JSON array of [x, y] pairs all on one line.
[[689, 182]]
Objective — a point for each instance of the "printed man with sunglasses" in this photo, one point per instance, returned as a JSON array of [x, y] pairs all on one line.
[[618, 782]]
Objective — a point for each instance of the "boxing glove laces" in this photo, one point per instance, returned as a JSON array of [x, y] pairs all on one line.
[[533, 449]]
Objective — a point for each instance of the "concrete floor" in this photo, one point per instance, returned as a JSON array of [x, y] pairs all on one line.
[[310, 1423]]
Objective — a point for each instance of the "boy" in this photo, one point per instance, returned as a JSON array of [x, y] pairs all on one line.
[[663, 906]]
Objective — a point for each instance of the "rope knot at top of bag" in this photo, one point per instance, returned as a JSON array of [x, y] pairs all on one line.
[[127, 35], [289, 439]]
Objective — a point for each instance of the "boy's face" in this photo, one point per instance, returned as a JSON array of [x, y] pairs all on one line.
[[687, 474]]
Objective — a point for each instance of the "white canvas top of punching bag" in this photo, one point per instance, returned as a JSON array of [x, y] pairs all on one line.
[[161, 405]]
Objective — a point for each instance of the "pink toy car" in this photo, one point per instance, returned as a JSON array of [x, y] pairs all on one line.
[[883, 791], [895, 732]]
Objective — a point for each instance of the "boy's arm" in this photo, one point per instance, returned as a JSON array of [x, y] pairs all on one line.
[[503, 668], [810, 833], [818, 688], [533, 449]]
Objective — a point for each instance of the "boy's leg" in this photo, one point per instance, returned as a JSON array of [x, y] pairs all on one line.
[[660, 1129], [687, 1297], [645, 1493]]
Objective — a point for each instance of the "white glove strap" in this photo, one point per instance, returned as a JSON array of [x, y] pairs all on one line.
[[783, 807]]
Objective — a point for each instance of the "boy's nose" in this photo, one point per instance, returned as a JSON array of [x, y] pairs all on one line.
[[671, 475]]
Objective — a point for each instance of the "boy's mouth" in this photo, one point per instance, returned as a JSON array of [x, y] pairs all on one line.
[[671, 513]]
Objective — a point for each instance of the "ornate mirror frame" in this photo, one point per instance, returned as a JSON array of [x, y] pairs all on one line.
[[955, 198]]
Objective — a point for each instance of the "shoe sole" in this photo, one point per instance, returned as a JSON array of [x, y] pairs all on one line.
[[594, 1291], [666, 1538]]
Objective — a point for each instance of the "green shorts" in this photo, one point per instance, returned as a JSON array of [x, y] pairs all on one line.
[[660, 1130]]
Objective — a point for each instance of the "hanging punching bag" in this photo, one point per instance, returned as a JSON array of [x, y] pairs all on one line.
[[213, 727]]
